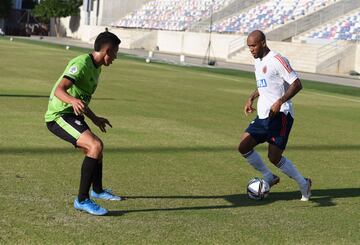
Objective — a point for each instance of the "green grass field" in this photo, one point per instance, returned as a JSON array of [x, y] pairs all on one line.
[[172, 153]]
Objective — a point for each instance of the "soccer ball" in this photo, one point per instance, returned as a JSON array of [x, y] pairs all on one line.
[[258, 189]]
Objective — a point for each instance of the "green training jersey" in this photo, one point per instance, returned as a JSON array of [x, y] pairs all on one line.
[[84, 74]]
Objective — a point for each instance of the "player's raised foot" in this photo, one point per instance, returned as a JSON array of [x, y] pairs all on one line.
[[90, 207], [306, 191], [105, 195], [275, 180]]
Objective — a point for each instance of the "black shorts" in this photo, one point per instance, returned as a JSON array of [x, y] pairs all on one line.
[[68, 127], [274, 130]]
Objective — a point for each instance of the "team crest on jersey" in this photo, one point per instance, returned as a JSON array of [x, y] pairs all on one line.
[[73, 70], [264, 69]]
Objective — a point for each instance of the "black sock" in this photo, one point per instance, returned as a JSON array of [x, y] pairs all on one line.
[[87, 171], [97, 177]]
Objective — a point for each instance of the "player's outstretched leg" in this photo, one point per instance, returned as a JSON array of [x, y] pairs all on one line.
[[246, 148], [254, 159]]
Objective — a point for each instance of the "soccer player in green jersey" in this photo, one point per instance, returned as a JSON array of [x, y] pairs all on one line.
[[68, 103]]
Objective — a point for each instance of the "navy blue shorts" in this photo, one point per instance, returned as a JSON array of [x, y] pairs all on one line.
[[274, 130]]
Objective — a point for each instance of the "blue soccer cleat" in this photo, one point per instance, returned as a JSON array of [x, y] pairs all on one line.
[[90, 207], [105, 195]]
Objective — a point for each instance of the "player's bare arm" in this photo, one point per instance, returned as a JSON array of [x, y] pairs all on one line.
[[62, 94], [248, 105], [294, 88], [98, 121]]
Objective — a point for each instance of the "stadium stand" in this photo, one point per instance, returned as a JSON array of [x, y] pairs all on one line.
[[268, 15], [151, 25], [231, 9], [174, 15], [291, 30], [344, 28]]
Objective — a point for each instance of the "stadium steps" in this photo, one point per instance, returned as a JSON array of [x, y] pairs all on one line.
[[312, 20], [333, 53], [234, 7]]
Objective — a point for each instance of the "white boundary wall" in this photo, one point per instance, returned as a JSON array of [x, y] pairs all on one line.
[[194, 44], [357, 58]]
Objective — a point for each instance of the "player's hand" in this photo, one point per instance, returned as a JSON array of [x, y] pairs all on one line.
[[101, 123], [248, 107], [275, 108], [78, 106]]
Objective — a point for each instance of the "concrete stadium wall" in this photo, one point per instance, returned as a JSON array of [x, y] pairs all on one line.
[[344, 64], [187, 43], [357, 58], [194, 44], [74, 26], [102, 14]]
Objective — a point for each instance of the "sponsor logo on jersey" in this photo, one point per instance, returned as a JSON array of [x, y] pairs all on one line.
[[73, 70], [261, 83]]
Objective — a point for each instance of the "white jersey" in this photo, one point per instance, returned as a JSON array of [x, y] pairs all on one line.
[[273, 77]]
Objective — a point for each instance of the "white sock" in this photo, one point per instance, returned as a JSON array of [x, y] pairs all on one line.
[[289, 169], [254, 159]]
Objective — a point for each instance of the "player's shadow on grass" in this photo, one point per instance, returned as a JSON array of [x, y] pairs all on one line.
[[169, 149], [322, 198], [40, 96]]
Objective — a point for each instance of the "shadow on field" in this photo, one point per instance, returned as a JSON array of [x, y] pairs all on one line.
[[167, 149], [24, 95], [322, 198], [40, 96]]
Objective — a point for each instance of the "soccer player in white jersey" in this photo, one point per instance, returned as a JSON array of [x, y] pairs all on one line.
[[276, 84]]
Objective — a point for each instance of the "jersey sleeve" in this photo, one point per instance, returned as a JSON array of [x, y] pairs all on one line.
[[75, 72], [284, 69]]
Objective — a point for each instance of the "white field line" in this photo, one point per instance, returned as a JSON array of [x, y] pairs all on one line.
[[333, 96]]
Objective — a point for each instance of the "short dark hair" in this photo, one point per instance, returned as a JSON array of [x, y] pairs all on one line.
[[105, 38]]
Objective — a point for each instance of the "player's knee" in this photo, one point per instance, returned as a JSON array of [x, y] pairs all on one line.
[[243, 148], [96, 147]]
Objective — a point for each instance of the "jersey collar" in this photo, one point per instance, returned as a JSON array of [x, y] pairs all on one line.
[[266, 56]]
